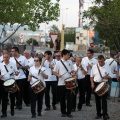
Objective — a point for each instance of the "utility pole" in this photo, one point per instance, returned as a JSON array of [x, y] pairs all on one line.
[[80, 6]]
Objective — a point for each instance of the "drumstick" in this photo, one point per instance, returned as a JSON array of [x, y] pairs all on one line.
[[17, 88], [64, 73]]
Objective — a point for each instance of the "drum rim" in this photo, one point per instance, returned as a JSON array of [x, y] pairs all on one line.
[[35, 82], [69, 77], [7, 80], [98, 85]]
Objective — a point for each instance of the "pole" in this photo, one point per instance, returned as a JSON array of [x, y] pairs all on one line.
[[62, 38]]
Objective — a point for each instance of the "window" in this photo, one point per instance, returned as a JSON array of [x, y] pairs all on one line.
[[81, 34]]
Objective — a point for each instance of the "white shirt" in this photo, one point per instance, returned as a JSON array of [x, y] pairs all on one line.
[[87, 61], [1, 58], [34, 72], [11, 67], [30, 62], [60, 69], [113, 66], [105, 70], [48, 71], [23, 61], [80, 75]]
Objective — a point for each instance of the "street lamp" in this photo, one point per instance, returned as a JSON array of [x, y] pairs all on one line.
[[66, 14]]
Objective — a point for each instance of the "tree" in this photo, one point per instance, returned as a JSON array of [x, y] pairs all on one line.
[[69, 37], [105, 16], [32, 40], [27, 12], [54, 29]]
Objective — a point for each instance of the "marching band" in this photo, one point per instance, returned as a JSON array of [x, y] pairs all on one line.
[[27, 79]]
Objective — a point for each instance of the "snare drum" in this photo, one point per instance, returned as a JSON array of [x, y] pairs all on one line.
[[37, 86], [70, 83], [10, 86], [102, 89]]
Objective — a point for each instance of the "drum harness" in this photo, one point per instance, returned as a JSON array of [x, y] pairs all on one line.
[[38, 74], [100, 73], [72, 90], [11, 75], [24, 70]]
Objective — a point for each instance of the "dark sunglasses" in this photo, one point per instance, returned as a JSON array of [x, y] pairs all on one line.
[[36, 60]]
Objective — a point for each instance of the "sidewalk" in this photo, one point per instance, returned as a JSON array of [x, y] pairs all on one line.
[[87, 113]]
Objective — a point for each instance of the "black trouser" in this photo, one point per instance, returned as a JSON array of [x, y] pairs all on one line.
[[81, 90], [88, 89], [36, 97], [109, 91], [101, 101], [26, 92], [65, 94], [49, 84], [4, 97], [19, 94]]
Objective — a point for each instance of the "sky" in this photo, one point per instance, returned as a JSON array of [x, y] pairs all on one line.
[[68, 13]]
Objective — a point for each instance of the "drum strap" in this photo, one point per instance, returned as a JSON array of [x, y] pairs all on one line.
[[7, 70], [64, 65], [99, 71], [34, 77], [21, 65], [111, 63]]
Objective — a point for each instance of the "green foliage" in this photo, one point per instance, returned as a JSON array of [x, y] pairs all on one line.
[[105, 17], [54, 29], [69, 37], [28, 12], [32, 40]]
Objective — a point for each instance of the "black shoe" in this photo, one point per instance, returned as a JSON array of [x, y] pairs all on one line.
[[98, 117], [73, 110], [16, 107], [12, 113], [79, 109], [106, 117], [20, 107], [54, 107], [3, 115], [47, 109], [28, 105], [64, 115], [88, 104], [33, 116], [39, 114], [70, 116]]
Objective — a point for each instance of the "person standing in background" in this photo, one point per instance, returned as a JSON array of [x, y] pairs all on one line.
[[30, 60], [89, 61]]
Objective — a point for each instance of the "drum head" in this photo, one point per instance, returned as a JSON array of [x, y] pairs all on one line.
[[35, 83], [9, 82], [69, 79], [99, 86]]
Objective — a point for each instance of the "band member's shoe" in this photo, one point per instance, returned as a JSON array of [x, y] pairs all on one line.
[[54, 107], [70, 116], [33, 116], [64, 115], [12, 112], [106, 117], [88, 104], [3, 115], [73, 110], [28, 105], [39, 114], [47, 109], [98, 116], [79, 109], [20, 107]]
